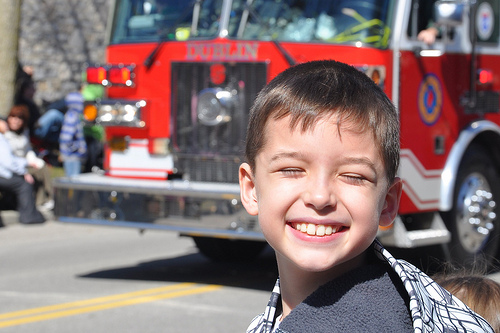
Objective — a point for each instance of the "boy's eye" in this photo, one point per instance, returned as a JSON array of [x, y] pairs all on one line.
[[293, 172], [355, 179]]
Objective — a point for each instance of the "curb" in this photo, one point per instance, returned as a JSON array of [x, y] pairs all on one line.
[[11, 217]]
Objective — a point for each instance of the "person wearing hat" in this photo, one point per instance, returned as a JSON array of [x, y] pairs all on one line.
[[72, 146]]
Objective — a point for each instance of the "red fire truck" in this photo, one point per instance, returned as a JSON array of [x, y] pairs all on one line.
[[181, 76]]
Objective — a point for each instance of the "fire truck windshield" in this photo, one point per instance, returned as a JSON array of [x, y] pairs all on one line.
[[340, 22], [162, 20]]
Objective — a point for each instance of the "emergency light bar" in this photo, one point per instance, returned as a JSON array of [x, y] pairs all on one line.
[[111, 75]]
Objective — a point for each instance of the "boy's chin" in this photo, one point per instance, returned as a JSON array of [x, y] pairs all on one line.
[[325, 263]]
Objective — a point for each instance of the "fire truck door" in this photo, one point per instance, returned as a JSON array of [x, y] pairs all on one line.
[[433, 77]]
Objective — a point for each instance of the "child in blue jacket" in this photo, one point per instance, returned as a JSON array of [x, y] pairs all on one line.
[[72, 144]]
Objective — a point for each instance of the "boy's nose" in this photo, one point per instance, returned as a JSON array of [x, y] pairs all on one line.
[[320, 195]]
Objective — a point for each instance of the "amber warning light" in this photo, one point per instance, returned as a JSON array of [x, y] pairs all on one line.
[[111, 75], [90, 112]]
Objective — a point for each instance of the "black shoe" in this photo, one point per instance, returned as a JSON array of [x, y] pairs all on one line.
[[33, 222]]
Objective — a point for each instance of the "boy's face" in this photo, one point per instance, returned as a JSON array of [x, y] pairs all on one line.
[[320, 194]]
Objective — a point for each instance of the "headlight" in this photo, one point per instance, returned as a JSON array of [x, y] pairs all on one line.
[[122, 113], [214, 106]]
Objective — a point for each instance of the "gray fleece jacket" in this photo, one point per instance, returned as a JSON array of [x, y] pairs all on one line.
[[386, 296]]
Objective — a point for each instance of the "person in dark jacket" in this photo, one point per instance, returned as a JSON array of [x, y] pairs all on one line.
[[45, 126]]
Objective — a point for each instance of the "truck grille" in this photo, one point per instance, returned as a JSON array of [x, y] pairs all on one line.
[[212, 152]]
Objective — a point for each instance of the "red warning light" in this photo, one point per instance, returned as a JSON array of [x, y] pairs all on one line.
[[217, 74], [485, 76], [120, 75], [96, 75]]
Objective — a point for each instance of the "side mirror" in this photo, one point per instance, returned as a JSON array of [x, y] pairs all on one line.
[[449, 13]]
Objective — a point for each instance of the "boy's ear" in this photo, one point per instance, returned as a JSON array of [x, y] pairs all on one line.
[[391, 205], [247, 189]]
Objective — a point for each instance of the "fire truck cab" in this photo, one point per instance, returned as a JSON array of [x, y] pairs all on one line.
[[181, 76]]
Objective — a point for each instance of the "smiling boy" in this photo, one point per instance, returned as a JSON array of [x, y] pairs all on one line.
[[322, 155]]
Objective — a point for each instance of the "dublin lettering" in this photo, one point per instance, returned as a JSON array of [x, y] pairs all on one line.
[[237, 51]]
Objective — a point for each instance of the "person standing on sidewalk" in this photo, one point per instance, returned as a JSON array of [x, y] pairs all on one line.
[[72, 146]]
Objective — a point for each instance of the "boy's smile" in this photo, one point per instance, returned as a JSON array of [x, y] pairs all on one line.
[[320, 194], [315, 230]]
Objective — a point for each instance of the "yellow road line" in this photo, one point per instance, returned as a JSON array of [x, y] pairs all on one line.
[[94, 301], [102, 303]]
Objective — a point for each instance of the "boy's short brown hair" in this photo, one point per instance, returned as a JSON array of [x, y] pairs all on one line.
[[319, 89]]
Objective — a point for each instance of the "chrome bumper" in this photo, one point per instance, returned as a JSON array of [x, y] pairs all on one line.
[[190, 208]]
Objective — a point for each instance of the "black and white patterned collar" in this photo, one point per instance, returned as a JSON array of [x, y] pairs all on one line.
[[432, 308]]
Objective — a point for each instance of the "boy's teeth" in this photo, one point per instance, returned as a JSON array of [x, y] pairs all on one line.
[[311, 229], [316, 230], [320, 231]]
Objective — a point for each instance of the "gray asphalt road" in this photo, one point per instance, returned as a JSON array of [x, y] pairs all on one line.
[[61, 277]]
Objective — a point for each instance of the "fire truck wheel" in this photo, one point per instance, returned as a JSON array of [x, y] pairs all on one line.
[[473, 220], [219, 249]]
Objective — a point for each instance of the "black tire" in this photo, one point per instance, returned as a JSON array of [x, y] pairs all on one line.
[[219, 249], [473, 221]]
